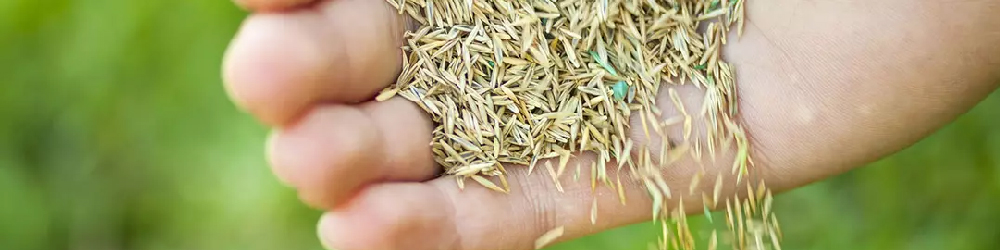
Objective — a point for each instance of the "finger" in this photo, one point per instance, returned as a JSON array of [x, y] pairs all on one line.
[[411, 216], [271, 5], [340, 51], [337, 149]]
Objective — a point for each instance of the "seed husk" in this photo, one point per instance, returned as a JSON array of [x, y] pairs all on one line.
[[593, 212], [549, 237]]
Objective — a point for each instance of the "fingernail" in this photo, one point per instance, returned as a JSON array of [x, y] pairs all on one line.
[[326, 231], [270, 152]]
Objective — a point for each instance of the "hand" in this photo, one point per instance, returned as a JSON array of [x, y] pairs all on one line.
[[825, 87]]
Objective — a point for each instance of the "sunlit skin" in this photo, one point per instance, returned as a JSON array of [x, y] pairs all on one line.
[[825, 87]]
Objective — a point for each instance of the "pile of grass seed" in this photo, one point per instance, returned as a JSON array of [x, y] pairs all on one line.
[[515, 82]]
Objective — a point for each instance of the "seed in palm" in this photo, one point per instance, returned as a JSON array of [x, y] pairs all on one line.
[[513, 83]]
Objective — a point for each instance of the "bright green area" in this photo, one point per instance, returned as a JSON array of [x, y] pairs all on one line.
[[115, 133]]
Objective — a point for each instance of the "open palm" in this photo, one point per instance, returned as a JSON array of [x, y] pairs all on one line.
[[825, 86]]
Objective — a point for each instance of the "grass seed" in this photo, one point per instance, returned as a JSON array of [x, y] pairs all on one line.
[[515, 82]]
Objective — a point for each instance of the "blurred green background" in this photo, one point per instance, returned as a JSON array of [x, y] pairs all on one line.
[[115, 133]]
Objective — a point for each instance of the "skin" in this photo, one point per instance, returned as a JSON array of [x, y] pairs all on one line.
[[825, 87]]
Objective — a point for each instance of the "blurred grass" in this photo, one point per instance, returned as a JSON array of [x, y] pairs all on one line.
[[116, 134]]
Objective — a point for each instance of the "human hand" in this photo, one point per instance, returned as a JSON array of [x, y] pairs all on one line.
[[824, 87]]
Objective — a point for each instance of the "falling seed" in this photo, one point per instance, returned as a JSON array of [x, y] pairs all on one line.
[[729, 215], [554, 175], [774, 238], [576, 176], [695, 180], [767, 204], [621, 190], [657, 198], [593, 213], [549, 237], [708, 214], [563, 160], [713, 240]]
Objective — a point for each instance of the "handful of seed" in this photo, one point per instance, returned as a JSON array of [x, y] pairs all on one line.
[[515, 82]]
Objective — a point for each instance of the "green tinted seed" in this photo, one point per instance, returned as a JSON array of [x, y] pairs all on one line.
[[620, 89], [708, 214], [603, 63]]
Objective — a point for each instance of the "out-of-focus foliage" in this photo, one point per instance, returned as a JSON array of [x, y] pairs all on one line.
[[116, 133]]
